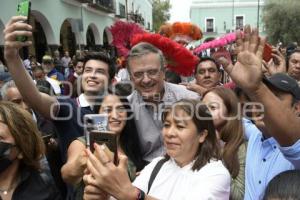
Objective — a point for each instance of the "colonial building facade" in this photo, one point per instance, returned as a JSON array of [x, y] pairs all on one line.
[[218, 17], [75, 24]]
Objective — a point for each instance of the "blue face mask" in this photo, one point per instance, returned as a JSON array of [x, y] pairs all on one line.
[[5, 161]]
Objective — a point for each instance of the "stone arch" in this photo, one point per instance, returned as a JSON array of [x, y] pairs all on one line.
[[107, 36], [96, 33], [1, 33], [70, 36], [49, 33]]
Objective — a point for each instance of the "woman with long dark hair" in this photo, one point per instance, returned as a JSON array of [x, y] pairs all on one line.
[[121, 123], [226, 113]]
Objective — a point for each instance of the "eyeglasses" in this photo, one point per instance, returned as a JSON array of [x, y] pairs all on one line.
[[152, 73]]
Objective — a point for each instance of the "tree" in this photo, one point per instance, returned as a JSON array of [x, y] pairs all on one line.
[[281, 18], [160, 13]]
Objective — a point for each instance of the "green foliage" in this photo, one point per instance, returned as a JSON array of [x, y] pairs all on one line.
[[282, 21], [160, 13]]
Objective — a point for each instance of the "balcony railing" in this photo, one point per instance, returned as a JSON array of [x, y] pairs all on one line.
[[136, 17], [104, 5], [85, 1]]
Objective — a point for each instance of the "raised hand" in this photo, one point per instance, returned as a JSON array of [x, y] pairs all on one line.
[[247, 71], [277, 63], [15, 27]]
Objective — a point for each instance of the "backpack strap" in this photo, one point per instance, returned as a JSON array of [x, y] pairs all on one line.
[[155, 171]]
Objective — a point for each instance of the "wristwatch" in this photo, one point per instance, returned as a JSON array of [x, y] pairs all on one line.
[[141, 194]]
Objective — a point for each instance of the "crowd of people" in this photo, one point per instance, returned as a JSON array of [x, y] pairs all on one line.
[[202, 139]]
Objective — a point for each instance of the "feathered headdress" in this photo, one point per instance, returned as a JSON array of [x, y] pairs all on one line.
[[223, 41], [122, 32], [182, 32]]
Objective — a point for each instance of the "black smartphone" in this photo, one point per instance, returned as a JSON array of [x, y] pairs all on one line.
[[23, 9], [105, 137]]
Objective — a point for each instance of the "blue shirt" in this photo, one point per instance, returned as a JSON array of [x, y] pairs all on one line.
[[56, 75], [265, 159]]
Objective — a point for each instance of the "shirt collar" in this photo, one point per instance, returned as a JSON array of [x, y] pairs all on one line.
[[82, 101]]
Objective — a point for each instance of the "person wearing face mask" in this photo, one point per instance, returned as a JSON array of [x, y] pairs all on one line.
[[21, 148]]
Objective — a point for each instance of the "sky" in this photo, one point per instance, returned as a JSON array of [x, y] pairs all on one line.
[[180, 10]]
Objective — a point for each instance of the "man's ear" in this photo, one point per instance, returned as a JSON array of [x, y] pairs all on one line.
[[203, 135], [297, 108]]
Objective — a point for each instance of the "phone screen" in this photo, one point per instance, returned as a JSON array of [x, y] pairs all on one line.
[[97, 122], [94, 122], [108, 138], [23, 9], [267, 54]]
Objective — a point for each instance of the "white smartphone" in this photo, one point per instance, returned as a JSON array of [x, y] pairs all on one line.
[[94, 122]]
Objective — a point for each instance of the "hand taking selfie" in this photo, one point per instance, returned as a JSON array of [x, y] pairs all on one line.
[[105, 175], [14, 28]]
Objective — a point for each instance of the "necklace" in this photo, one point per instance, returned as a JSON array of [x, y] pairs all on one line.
[[5, 192]]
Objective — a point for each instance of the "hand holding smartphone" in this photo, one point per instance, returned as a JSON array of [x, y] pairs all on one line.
[[23, 9], [96, 122], [267, 55], [109, 139]]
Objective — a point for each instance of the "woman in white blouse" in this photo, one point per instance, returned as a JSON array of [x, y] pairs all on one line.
[[192, 168]]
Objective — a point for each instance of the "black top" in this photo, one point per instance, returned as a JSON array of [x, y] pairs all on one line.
[[35, 186]]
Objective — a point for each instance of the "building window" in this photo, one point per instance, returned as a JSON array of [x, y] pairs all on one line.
[[239, 25], [210, 25], [122, 10]]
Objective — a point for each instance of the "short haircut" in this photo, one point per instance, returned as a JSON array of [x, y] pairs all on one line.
[[284, 186], [5, 87], [172, 77], [289, 57], [144, 48], [204, 59], [38, 68], [104, 57], [77, 60]]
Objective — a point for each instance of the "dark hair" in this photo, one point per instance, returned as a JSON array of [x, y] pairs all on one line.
[[288, 56], [129, 139], [101, 56], [45, 87], [202, 118], [232, 132], [284, 186], [78, 59], [204, 59], [172, 77]]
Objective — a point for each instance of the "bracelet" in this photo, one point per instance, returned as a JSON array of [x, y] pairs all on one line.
[[140, 194]]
